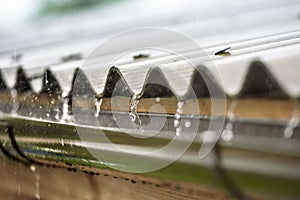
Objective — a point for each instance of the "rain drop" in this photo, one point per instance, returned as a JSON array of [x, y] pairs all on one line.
[[288, 132], [178, 117], [98, 104], [37, 182], [293, 123], [66, 117], [188, 124], [37, 187], [227, 135], [32, 168], [133, 111], [15, 104], [176, 123]]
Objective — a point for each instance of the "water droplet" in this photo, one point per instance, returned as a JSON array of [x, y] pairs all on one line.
[[178, 117], [188, 124], [288, 132], [37, 187], [178, 131], [229, 126], [179, 107], [15, 104], [57, 114], [37, 182], [132, 116], [98, 104], [230, 116], [46, 78], [176, 123], [66, 117], [293, 123], [32, 168], [133, 112], [227, 135]]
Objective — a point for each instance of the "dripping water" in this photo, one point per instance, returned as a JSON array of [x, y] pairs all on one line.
[[178, 117], [66, 117], [57, 114], [98, 104], [36, 182], [15, 104], [293, 123], [133, 112], [227, 134]]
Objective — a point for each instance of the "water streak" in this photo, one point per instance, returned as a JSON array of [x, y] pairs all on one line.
[[177, 117], [66, 117], [15, 103], [227, 134], [98, 104], [37, 182], [133, 111], [294, 121]]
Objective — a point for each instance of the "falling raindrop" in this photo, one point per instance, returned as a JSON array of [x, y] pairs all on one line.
[[37, 182], [98, 104], [133, 108], [37, 187], [133, 111], [188, 124], [288, 132], [178, 117], [66, 117], [132, 116], [176, 123], [46, 79], [15, 104], [293, 123], [57, 114], [228, 134], [32, 168]]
